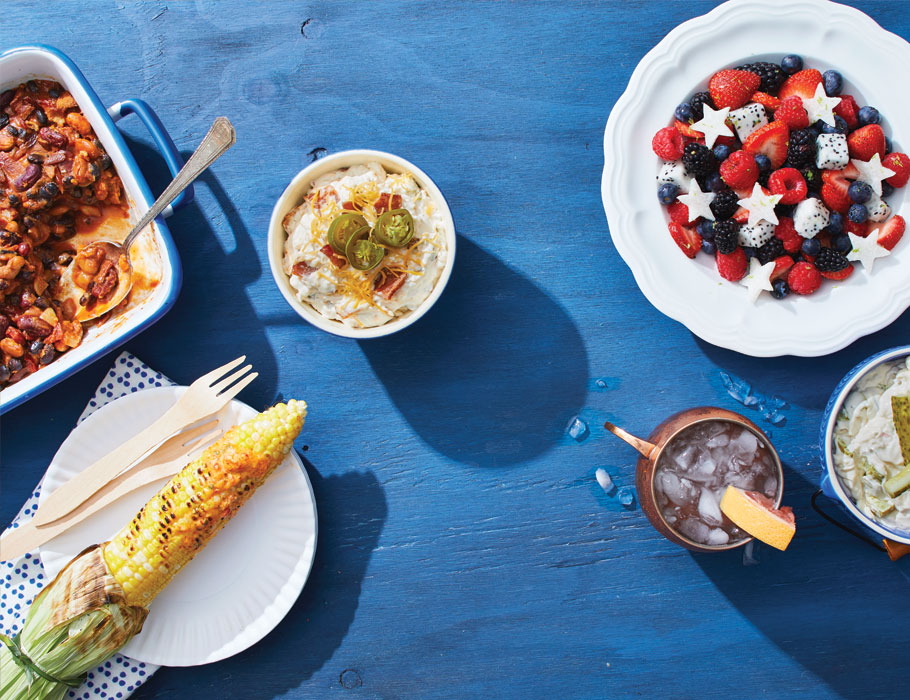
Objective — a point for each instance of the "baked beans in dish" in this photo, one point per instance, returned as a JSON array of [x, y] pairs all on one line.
[[56, 184]]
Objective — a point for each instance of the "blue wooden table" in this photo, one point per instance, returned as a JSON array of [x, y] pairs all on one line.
[[465, 550]]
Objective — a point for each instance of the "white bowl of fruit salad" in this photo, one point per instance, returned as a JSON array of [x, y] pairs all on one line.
[[361, 243], [785, 237]]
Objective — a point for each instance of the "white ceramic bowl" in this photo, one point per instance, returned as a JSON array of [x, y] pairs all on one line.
[[692, 292], [293, 196]]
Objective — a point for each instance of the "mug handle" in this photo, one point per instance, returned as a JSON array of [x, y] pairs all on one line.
[[838, 523]]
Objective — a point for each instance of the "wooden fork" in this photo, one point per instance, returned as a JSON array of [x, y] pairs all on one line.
[[207, 395], [167, 460]]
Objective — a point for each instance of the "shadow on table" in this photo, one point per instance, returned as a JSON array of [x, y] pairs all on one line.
[[351, 510], [213, 303], [844, 630], [491, 375], [818, 375]]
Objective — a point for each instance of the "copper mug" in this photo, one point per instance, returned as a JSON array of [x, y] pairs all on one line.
[[652, 449]]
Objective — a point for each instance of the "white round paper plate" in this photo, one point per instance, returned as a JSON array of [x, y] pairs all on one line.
[[237, 588], [692, 292]]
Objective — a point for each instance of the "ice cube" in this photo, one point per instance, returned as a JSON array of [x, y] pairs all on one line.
[[578, 429], [750, 554], [672, 488], [686, 458], [695, 530], [770, 487], [708, 508], [739, 389], [718, 537], [721, 440], [777, 418], [606, 483], [601, 384], [627, 496], [745, 443]]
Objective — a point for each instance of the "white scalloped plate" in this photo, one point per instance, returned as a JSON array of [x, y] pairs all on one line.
[[692, 292], [240, 586]]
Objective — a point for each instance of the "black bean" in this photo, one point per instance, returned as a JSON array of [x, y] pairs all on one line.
[[29, 221], [4, 119], [49, 190], [47, 355], [26, 275], [4, 374], [12, 130], [41, 303], [31, 86], [14, 199], [14, 364], [31, 195], [64, 259], [68, 180], [94, 170], [36, 347], [40, 116], [54, 92], [106, 162], [10, 238], [6, 97], [36, 158]]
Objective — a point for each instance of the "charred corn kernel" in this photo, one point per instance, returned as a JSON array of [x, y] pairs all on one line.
[[193, 506]]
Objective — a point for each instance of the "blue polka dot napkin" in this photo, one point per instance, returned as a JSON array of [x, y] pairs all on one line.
[[21, 580]]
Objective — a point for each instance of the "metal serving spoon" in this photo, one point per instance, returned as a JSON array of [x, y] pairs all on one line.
[[219, 138]]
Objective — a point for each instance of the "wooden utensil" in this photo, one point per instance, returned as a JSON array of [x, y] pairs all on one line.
[[167, 460], [208, 394]]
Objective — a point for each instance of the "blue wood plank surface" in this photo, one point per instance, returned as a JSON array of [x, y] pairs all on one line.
[[464, 548]]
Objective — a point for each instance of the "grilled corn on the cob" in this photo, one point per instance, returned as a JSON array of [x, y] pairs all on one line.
[[66, 631]]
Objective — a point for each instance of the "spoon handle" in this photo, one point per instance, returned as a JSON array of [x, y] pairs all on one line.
[[219, 138]]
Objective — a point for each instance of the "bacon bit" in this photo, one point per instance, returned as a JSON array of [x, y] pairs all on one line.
[[338, 261], [320, 197], [349, 206], [389, 282], [105, 282], [302, 268], [382, 203]]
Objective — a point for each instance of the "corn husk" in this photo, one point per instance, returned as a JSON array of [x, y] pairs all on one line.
[[75, 623]]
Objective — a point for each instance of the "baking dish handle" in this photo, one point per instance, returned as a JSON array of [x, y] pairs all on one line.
[[162, 139]]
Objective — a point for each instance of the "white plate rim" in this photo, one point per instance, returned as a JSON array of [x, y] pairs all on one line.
[[722, 315], [286, 591]]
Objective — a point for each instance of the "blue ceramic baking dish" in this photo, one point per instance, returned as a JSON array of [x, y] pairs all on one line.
[[37, 61], [831, 484]]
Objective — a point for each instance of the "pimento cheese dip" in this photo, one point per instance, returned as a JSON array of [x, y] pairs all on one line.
[[328, 281]]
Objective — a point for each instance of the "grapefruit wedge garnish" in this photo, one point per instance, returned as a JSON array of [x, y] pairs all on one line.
[[755, 513]]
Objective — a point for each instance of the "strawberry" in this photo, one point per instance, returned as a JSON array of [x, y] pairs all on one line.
[[792, 113], [900, 164], [679, 213], [786, 231], [766, 100], [772, 140], [866, 141], [839, 275], [732, 266], [732, 88], [686, 130], [686, 238], [834, 195], [802, 84], [848, 110], [803, 277], [739, 170], [861, 230], [741, 215], [668, 143], [782, 266], [790, 183], [890, 234]]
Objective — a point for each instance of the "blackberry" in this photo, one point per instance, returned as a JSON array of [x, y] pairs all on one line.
[[813, 178], [725, 204], [726, 236], [771, 250], [772, 77], [801, 151], [830, 260], [698, 160], [697, 104]]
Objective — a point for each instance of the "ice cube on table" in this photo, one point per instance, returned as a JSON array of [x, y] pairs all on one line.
[[776, 418], [601, 384], [708, 508], [750, 554], [626, 496], [739, 389], [718, 537], [578, 429], [603, 478]]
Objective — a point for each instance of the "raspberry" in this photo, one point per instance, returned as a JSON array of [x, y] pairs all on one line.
[[739, 171], [668, 144], [788, 182], [792, 113], [804, 278], [731, 266], [848, 110], [900, 164], [786, 232]]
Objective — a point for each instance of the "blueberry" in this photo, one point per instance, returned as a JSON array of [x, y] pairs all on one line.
[[834, 83], [750, 252], [763, 163], [816, 128], [887, 189], [705, 229], [859, 192], [858, 213], [888, 146], [868, 115], [780, 289], [667, 192], [842, 243], [835, 223], [791, 64], [811, 246], [814, 195], [716, 183], [684, 112], [721, 152], [840, 126], [708, 246]]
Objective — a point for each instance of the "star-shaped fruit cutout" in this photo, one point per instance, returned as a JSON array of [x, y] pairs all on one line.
[[821, 107], [698, 202], [760, 205], [872, 172], [758, 278], [713, 124], [866, 250]]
